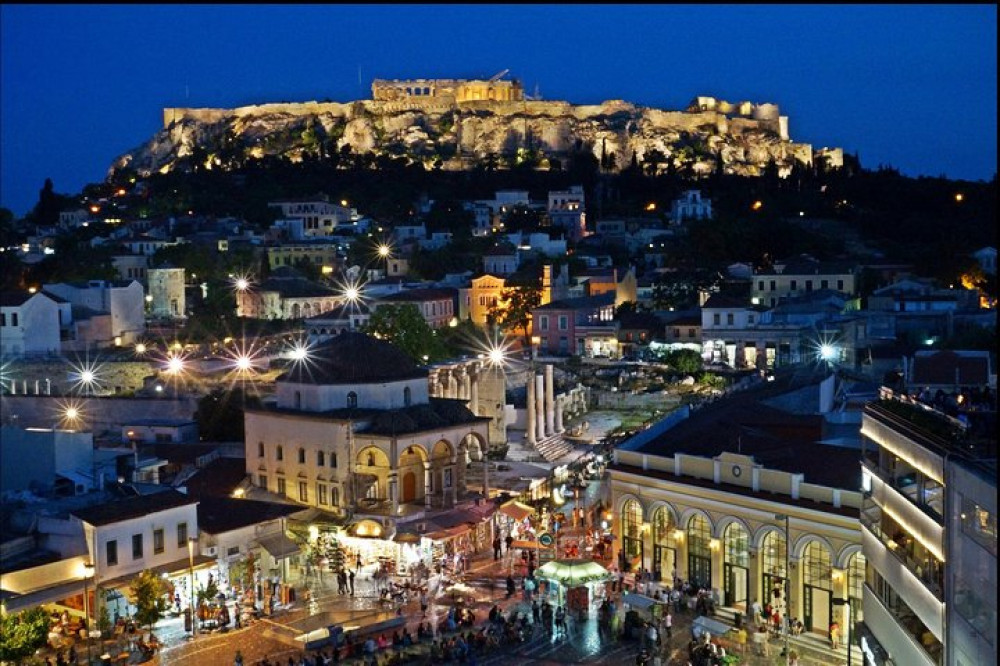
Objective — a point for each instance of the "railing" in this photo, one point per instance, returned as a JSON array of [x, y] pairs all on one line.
[[923, 571]]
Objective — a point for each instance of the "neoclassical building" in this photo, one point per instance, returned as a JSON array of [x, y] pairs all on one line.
[[736, 497], [354, 431]]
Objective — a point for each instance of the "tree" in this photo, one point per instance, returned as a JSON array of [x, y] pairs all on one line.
[[150, 593], [404, 326], [23, 633], [220, 414], [513, 310], [686, 361]]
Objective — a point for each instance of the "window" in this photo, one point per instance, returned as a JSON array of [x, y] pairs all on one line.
[[760, 285], [729, 319], [260, 449], [298, 394], [677, 332], [303, 491], [233, 550], [543, 323], [302, 456], [840, 285], [321, 493], [749, 319], [333, 460], [774, 285], [563, 322], [824, 284], [111, 553], [158, 541], [320, 459], [352, 400], [407, 396], [335, 495], [262, 481], [809, 285], [279, 453], [794, 285], [691, 333], [716, 319], [136, 546], [281, 486], [3, 319], [182, 534]]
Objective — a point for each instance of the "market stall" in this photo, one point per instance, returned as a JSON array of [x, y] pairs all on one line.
[[577, 583]]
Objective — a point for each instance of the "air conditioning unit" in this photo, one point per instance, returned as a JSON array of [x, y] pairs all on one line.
[[211, 551]]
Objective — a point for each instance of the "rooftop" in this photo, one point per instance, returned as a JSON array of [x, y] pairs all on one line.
[[132, 507], [224, 514], [354, 358], [580, 303]]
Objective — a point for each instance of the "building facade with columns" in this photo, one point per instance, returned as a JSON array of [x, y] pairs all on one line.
[[750, 509], [481, 385], [354, 430]]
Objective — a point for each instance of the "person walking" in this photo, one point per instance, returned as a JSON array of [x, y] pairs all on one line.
[[668, 625], [509, 541], [496, 548], [350, 578], [834, 635]]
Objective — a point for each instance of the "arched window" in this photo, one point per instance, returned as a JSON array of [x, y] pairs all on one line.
[[632, 532], [817, 567], [700, 551], [302, 456], [736, 566], [280, 453], [352, 400], [773, 564], [664, 544], [855, 584], [406, 396]]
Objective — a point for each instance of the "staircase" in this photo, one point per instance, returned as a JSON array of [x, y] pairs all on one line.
[[553, 447]]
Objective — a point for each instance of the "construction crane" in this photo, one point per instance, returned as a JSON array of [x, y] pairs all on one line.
[[498, 76]]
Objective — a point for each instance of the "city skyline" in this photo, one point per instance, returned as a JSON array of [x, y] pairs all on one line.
[[913, 87]]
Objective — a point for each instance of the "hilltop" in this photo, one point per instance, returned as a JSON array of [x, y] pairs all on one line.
[[456, 125]]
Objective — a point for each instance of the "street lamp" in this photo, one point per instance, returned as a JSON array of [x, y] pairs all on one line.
[[788, 573], [88, 571], [194, 611], [850, 621]]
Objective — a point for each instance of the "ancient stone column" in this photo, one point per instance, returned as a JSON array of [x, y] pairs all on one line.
[[550, 407], [529, 411], [465, 384], [540, 405], [560, 405], [474, 392], [427, 485]]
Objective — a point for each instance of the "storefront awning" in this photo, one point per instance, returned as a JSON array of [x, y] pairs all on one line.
[[449, 533], [16, 602], [640, 601], [522, 543], [516, 510], [278, 546], [170, 569]]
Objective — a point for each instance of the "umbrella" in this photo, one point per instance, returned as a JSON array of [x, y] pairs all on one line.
[[572, 572]]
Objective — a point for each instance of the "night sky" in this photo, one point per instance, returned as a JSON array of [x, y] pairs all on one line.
[[913, 86]]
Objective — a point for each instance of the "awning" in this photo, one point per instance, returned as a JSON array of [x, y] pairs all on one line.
[[640, 601], [714, 627], [516, 510], [171, 569], [449, 533], [278, 546], [406, 537], [521, 543], [47, 595]]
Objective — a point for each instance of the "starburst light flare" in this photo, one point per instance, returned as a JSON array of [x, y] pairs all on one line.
[[87, 376]]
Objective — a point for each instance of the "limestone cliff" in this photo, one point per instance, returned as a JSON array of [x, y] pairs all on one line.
[[460, 135]]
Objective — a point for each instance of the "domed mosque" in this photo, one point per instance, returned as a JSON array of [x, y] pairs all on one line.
[[354, 430]]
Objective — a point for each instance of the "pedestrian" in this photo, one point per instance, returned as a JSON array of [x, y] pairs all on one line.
[[510, 586], [238, 660], [351, 579], [509, 541], [423, 603], [668, 624], [236, 614], [535, 611], [496, 548], [834, 635]]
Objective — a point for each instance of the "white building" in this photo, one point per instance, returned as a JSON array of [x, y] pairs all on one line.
[[34, 457], [166, 286], [29, 325], [122, 299], [319, 216], [690, 206]]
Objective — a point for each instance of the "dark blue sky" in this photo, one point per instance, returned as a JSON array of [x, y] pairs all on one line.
[[911, 86]]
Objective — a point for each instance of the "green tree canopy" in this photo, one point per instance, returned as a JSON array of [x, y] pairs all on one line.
[[150, 593], [513, 310], [22, 633], [405, 327]]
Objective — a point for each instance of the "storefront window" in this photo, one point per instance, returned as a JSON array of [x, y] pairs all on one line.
[[700, 551], [632, 531]]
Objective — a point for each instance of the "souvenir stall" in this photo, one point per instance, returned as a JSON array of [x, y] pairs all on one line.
[[577, 583], [366, 545]]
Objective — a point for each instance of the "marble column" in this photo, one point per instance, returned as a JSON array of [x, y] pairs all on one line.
[[560, 404], [550, 408], [465, 383], [474, 392], [529, 411], [540, 406], [427, 485]]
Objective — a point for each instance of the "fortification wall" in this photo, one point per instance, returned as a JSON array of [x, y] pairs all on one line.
[[208, 115]]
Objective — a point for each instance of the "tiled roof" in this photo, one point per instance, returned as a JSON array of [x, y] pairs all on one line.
[[224, 514], [354, 358], [579, 303]]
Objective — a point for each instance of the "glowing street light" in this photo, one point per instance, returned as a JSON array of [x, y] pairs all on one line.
[[175, 364], [384, 251], [300, 352], [828, 352], [140, 348], [242, 284]]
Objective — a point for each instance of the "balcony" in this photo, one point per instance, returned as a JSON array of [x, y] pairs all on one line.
[[905, 549]]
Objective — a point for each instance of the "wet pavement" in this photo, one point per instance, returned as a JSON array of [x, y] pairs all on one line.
[[582, 642]]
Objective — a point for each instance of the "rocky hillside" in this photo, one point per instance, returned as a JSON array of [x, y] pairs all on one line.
[[460, 136]]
